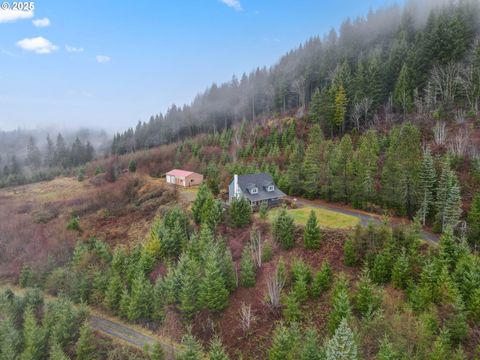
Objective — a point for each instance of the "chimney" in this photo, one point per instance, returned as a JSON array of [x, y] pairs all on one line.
[[235, 185]]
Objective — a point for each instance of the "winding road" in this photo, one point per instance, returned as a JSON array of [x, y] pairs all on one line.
[[365, 217]]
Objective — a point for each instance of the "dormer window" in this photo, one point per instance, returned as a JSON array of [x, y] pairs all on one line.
[[270, 188], [254, 190]]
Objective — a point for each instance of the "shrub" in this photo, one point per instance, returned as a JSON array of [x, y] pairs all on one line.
[[132, 166], [73, 224]]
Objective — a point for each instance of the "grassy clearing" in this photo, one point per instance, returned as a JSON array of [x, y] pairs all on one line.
[[326, 218]]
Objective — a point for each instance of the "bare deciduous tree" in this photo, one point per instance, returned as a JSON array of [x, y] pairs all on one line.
[[256, 246], [446, 80], [440, 133], [275, 286], [459, 145], [246, 317]]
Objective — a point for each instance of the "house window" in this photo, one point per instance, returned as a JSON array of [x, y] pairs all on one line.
[[254, 191], [270, 188]]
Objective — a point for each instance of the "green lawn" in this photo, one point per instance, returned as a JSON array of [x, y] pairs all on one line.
[[326, 218]]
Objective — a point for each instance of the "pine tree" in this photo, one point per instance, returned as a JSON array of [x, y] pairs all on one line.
[[284, 230], [315, 109], [213, 178], [292, 311], [141, 294], [113, 294], [213, 293], [322, 280], [311, 163], [56, 352], [285, 342], [427, 183], [200, 204], [312, 234], [341, 308], [349, 254], [403, 95], [387, 352], [342, 345], [401, 271], [474, 221], [240, 212], [448, 202], [192, 348], [248, 270], [311, 346], [188, 278], [10, 340], [33, 337], [25, 277], [217, 351], [341, 102], [367, 298], [85, 348]]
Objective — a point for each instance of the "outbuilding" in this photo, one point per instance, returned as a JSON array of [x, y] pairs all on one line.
[[183, 178]]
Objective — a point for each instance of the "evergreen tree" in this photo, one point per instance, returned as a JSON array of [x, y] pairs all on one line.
[[10, 340], [341, 102], [403, 94], [349, 253], [217, 351], [311, 163], [292, 311], [315, 110], [322, 280], [284, 230], [25, 277], [132, 166], [200, 205], [213, 293], [213, 178], [311, 346], [474, 221], [56, 352], [341, 308], [401, 271], [33, 337], [312, 234], [240, 212], [387, 351], [448, 202], [427, 183], [342, 345], [188, 278], [248, 270], [141, 294], [85, 348], [367, 298], [113, 294], [285, 343], [192, 349]]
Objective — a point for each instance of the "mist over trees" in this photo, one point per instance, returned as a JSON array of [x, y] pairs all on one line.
[[31, 155], [422, 57]]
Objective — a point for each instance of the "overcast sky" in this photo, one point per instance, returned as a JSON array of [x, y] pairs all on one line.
[[108, 63]]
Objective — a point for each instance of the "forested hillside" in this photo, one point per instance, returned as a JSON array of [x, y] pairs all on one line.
[[414, 61]]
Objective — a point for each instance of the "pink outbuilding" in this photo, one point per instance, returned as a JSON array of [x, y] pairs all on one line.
[[183, 178]]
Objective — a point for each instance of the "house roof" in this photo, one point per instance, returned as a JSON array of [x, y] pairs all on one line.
[[179, 173], [260, 180]]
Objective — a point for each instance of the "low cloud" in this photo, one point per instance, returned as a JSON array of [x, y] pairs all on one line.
[[38, 45], [102, 59], [10, 15], [45, 22], [73, 49], [234, 4]]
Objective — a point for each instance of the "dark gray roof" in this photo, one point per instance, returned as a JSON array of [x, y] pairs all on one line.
[[260, 180]]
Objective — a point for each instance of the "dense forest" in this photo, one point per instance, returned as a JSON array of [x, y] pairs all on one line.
[[395, 63], [33, 155]]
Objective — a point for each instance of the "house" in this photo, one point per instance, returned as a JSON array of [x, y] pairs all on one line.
[[183, 178], [256, 188]]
